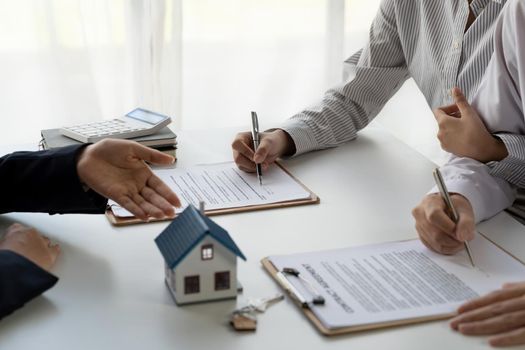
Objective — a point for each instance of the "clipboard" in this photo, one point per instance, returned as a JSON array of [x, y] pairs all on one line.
[[272, 270], [313, 199], [323, 329]]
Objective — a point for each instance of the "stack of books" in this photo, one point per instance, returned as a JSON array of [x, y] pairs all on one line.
[[165, 140]]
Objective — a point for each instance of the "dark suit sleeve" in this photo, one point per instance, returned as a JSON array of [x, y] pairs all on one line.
[[45, 181], [20, 281]]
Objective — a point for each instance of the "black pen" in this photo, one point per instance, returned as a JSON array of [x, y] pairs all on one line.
[[454, 214], [255, 137]]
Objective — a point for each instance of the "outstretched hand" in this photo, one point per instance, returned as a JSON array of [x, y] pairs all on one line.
[[117, 169], [462, 132]]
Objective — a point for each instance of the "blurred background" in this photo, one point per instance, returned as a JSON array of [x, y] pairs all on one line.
[[206, 63]]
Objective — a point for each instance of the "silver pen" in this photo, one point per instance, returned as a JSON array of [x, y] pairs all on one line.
[[453, 212], [255, 137]]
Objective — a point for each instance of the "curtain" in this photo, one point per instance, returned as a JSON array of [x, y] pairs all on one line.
[[206, 63], [64, 62]]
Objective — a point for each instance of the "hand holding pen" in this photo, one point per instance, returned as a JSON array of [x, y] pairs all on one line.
[[272, 145], [450, 206], [437, 230]]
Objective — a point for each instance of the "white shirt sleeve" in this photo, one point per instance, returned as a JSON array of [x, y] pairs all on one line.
[[487, 194]]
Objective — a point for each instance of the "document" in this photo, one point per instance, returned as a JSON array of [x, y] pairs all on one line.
[[397, 281], [223, 185]]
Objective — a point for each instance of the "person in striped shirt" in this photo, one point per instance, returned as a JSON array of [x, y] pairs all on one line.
[[466, 130], [441, 45], [438, 44]]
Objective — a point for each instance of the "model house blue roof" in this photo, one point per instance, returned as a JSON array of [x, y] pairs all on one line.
[[186, 231]]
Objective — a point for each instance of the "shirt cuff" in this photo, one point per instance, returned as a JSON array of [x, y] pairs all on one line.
[[511, 168], [301, 135], [471, 192]]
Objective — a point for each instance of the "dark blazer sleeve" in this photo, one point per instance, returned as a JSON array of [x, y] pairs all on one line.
[[45, 181], [20, 281]]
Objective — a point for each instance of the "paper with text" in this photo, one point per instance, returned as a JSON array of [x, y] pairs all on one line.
[[223, 186], [398, 281]]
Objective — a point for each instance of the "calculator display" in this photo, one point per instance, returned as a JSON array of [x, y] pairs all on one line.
[[146, 116]]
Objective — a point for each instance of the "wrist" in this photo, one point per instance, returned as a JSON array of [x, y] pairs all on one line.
[[288, 145], [81, 157], [496, 151]]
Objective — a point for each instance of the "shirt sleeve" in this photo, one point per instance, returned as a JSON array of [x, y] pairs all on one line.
[[512, 167], [20, 281], [487, 194], [507, 94], [380, 71], [46, 181]]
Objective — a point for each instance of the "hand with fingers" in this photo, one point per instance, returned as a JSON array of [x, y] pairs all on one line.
[[500, 314], [462, 132], [27, 242], [273, 144], [117, 169], [435, 227]]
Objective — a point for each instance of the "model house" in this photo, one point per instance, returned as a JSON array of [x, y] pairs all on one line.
[[200, 258]]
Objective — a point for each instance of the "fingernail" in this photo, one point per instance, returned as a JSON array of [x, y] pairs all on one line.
[[257, 158]]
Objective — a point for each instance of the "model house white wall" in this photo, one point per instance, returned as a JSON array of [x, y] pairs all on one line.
[[223, 260]]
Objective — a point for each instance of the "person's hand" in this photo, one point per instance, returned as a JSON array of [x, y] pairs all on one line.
[[500, 313], [435, 227], [462, 132], [273, 144], [28, 243], [117, 169]]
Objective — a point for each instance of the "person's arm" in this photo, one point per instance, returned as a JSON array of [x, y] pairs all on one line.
[[78, 179], [46, 181], [380, 70], [25, 258], [21, 281]]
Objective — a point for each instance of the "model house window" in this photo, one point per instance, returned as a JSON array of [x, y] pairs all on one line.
[[222, 280], [192, 284], [207, 252]]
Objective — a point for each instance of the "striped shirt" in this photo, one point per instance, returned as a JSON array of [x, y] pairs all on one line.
[[422, 39]]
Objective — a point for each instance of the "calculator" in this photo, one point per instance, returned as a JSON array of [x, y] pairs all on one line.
[[138, 122]]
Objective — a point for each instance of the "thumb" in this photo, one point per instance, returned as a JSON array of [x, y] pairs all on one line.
[[152, 156], [461, 101], [466, 224], [262, 152]]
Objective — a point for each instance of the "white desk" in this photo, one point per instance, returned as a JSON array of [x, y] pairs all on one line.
[[111, 293]]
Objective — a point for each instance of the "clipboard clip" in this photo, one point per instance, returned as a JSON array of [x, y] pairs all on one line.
[[317, 298]]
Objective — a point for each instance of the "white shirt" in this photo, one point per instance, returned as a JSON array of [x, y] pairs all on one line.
[[500, 102]]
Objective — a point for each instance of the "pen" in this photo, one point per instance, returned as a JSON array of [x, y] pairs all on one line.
[[294, 293], [255, 137], [454, 214]]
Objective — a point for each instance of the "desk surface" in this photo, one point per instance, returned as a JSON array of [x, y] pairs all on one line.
[[111, 293]]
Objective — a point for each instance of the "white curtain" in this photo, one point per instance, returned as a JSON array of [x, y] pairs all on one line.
[[68, 61], [273, 56], [207, 63]]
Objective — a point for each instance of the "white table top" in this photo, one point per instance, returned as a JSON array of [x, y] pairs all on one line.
[[111, 293]]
